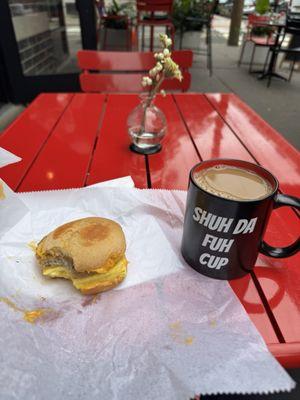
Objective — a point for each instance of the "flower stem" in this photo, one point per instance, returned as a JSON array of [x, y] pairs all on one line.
[[148, 102]]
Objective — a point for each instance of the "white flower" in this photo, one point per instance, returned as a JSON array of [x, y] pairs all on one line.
[[165, 41], [163, 38], [168, 42], [146, 81], [153, 72], [158, 66], [163, 93], [164, 67]]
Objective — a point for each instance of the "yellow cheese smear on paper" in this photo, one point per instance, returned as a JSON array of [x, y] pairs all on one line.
[[2, 194], [179, 335], [28, 315], [32, 316]]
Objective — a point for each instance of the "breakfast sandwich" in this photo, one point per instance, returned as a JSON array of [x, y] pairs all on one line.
[[89, 251]]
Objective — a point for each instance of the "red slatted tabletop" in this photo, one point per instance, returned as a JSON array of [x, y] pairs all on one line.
[[73, 140]]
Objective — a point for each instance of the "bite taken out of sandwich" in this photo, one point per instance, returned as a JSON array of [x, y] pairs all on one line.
[[89, 251]]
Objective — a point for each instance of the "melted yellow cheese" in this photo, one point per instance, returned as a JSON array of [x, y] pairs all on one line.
[[32, 245], [107, 266], [89, 280], [39, 251]]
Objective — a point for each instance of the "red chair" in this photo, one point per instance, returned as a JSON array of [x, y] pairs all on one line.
[[106, 19], [266, 40], [150, 7], [104, 71]]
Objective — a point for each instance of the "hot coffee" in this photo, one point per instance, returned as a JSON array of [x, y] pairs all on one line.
[[233, 183]]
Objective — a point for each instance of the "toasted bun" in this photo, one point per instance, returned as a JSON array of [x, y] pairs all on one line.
[[91, 244]]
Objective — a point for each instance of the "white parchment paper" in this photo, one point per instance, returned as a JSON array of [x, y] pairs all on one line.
[[6, 157], [166, 332], [12, 209]]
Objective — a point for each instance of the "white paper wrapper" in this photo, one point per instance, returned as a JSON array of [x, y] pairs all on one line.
[[6, 157], [170, 333], [125, 181], [12, 209]]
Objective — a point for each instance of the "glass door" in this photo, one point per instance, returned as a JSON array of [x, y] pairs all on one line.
[[39, 40]]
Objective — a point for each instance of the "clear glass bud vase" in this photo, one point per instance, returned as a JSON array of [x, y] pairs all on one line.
[[146, 126]]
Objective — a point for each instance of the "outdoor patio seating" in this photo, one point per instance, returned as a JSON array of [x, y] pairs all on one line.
[[259, 34], [147, 16], [121, 21]]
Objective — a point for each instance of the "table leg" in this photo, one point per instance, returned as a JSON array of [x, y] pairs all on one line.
[[271, 67], [274, 74], [270, 71]]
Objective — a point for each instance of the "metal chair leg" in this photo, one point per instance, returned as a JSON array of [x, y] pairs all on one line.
[[128, 39], [266, 61], [269, 80], [292, 69], [209, 50], [143, 37], [206, 38], [252, 58], [151, 37], [104, 37], [172, 34], [181, 33], [242, 53], [134, 39], [273, 70]]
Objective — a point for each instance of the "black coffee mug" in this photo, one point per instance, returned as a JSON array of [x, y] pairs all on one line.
[[222, 237]]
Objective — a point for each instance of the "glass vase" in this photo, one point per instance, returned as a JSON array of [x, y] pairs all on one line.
[[146, 126]]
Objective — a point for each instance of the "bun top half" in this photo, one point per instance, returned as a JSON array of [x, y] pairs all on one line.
[[91, 243]]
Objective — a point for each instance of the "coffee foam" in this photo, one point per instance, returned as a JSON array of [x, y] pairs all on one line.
[[233, 183]]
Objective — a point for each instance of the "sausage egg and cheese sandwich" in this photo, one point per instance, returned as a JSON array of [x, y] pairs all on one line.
[[89, 251]]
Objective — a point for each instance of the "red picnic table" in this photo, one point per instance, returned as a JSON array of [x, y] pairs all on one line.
[[74, 140]]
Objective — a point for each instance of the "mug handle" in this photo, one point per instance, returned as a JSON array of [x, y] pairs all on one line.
[[281, 252]]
